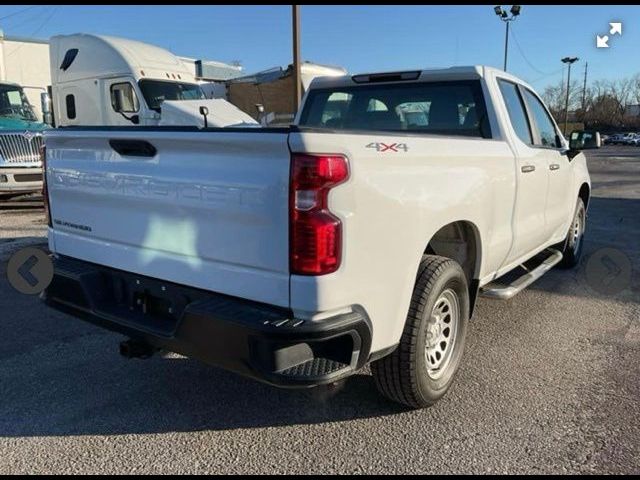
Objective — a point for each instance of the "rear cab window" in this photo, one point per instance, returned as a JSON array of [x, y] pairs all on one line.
[[454, 108]]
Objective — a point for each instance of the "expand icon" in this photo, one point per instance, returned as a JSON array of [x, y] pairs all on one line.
[[602, 41]]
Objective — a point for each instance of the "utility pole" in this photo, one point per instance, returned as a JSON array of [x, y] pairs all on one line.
[[297, 89], [584, 91], [504, 16], [569, 61]]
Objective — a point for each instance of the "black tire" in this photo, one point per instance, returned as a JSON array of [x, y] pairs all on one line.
[[404, 375], [572, 246]]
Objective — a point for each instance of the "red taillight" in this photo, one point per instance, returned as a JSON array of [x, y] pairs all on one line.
[[45, 190], [315, 233]]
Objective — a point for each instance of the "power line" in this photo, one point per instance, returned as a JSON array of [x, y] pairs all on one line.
[[513, 35], [31, 18], [547, 75], [35, 32], [19, 11]]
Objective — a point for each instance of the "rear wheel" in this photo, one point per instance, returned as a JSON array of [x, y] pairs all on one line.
[[422, 368], [572, 249]]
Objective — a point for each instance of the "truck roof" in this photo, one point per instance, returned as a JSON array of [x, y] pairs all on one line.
[[114, 56], [432, 74]]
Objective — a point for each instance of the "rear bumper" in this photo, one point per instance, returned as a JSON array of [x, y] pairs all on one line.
[[18, 180], [256, 340]]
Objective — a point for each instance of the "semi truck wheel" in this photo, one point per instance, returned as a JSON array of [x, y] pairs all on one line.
[[422, 368]]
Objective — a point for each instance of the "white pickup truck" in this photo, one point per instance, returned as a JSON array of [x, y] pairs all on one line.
[[362, 234]]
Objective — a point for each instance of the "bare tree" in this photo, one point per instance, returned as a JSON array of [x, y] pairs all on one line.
[[636, 88], [555, 96], [605, 106]]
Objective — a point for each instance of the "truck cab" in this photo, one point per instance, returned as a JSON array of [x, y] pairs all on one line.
[[101, 80], [20, 142]]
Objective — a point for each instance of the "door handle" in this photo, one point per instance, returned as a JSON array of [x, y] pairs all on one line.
[[133, 148], [527, 168], [554, 166]]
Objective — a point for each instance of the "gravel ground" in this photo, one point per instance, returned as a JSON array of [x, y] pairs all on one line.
[[550, 383]]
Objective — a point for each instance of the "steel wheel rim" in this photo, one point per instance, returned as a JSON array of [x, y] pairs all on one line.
[[577, 231], [442, 328]]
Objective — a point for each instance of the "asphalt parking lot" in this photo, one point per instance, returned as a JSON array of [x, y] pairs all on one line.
[[550, 383]]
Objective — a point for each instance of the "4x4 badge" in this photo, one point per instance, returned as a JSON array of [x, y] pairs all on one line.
[[388, 147]]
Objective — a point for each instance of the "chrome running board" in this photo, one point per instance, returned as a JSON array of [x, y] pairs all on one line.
[[505, 292]]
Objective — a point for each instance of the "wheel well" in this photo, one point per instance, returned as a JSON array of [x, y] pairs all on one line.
[[584, 194], [460, 242]]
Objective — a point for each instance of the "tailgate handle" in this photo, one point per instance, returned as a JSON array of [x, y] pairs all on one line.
[[133, 148]]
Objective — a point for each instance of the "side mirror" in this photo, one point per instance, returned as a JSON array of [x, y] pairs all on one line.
[[584, 140], [204, 111], [45, 105]]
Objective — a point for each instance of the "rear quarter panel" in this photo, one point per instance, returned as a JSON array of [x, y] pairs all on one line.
[[391, 206]]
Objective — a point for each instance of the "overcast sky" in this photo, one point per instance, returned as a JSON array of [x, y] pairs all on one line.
[[361, 38]]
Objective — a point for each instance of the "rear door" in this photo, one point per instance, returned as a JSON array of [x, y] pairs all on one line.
[[547, 140], [532, 173], [208, 209]]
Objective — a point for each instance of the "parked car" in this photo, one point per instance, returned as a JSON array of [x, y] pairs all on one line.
[[626, 138], [20, 142], [298, 255], [612, 139]]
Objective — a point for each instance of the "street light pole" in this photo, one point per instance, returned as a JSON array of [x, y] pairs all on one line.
[[569, 61], [297, 89], [504, 16], [506, 46]]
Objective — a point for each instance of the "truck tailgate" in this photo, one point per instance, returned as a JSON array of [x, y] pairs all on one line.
[[208, 209]]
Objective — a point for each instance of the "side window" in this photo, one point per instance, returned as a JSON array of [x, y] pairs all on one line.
[[124, 98], [15, 100], [517, 113], [546, 129], [70, 101]]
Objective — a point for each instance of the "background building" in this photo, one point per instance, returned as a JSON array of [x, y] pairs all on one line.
[[273, 89]]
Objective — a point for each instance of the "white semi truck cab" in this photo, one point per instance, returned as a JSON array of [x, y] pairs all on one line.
[[365, 233], [112, 81]]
